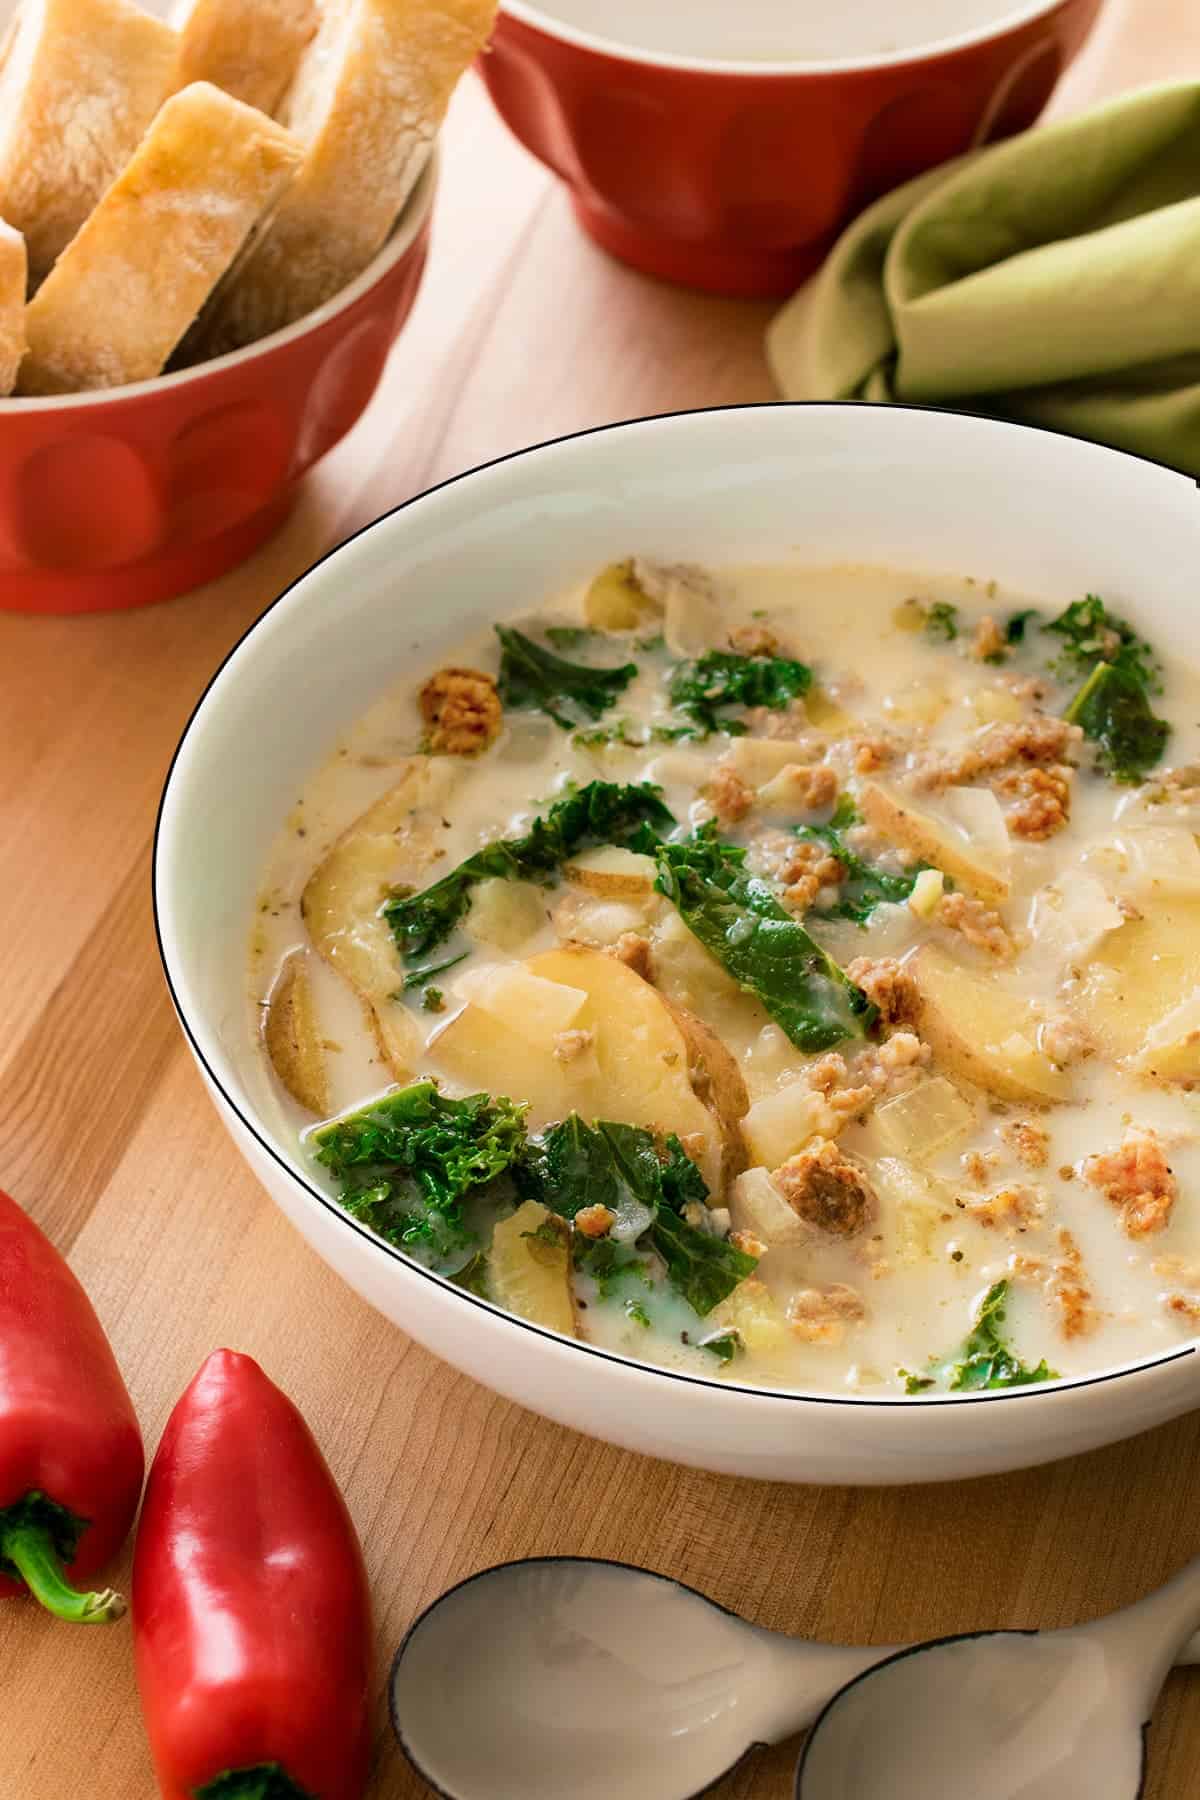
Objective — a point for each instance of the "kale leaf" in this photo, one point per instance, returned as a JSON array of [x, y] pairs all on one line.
[[941, 622], [602, 812], [1091, 635], [1114, 712], [865, 885], [574, 1165], [568, 1167], [703, 1268], [767, 951], [1016, 625], [724, 678], [724, 1345], [1113, 705], [621, 732], [417, 978], [406, 1164], [985, 1360], [532, 676]]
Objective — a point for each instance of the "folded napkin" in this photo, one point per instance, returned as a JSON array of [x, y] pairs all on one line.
[[1053, 279]]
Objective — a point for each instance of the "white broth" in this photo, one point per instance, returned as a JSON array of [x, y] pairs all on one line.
[[1013, 1101]]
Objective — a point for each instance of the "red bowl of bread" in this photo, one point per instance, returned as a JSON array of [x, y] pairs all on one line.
[[211, 232], [725, 143]]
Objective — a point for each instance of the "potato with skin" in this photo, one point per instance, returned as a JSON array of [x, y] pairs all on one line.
[[614, 601], [717, 1080], [529, 1268], [982, 1033], [292, 1039], [392, 841], [932, 841], [613, 873], [635, 1068]]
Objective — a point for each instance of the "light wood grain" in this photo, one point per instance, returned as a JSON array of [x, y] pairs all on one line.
[[523, 330]]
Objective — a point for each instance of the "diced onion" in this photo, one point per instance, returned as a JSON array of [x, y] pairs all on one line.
[[977, 814], [779, 1124], [757, 1206], [922, 1121]]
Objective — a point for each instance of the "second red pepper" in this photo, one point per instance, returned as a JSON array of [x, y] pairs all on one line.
[[251, 1613]]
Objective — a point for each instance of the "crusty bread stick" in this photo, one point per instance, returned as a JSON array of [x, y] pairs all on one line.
[[130, 283], [372, 90], [251, 48], [80, 80], [12, 305]]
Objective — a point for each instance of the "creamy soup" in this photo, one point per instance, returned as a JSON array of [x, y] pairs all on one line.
[[786, 975]]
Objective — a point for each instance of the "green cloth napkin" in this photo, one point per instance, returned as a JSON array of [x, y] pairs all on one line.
[[1053, 279]]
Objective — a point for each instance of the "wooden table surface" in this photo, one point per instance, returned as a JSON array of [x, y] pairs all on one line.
[[522, 331]]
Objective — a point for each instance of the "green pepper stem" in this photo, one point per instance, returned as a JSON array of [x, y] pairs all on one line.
[[265, 1781], [29, 1547]]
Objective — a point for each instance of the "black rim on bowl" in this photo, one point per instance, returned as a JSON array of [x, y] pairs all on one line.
[[1011, 1396]]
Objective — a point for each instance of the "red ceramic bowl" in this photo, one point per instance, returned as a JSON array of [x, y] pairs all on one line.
[[127, 495], [735, 176]]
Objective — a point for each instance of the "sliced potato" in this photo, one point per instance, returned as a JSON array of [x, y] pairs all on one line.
[[644, 1055], [996, 706], [825, 713], [982, 1033], [588, 919], [693, 621], [1171, 1051], [292, 1037], [534, 1008], [1139, 975], [391, 842], [505, 914], [1070, 917], [612, 872], [759, 760], [786, 796], [483, 1054], [917, 702], [757, 1206], [781, 1123], [935, 840], [529, 1268], [753, 1312], [636, 1069], [717, 1079], [614, 601]]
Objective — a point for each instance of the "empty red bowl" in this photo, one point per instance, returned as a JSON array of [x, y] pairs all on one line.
[[732, 170], [123, 496]]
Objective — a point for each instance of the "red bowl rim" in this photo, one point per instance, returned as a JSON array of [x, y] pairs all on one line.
[[405, 232], [1021, 12]]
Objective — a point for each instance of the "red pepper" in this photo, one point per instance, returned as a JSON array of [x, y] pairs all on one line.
[[251, 1613], [71, 1459]]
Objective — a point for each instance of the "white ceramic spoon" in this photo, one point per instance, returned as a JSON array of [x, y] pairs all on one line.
[[1007, 1715], [566, 1676]]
